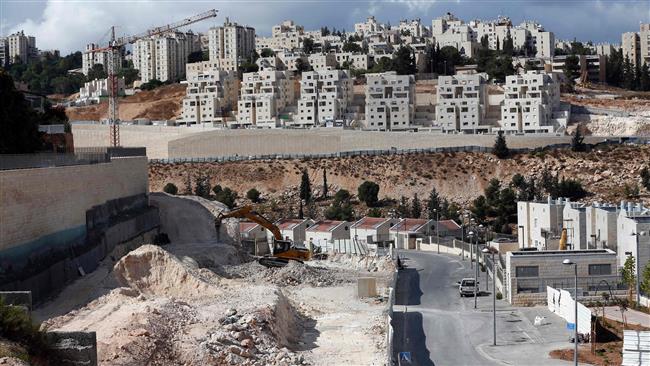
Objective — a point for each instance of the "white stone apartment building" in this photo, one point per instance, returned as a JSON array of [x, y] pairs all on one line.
[[231, 41], [448, 30], [163, 57], [540, 40], [369, 27], [413, 27], [601, 226], [322, 61], [636, 45], [264, 95], [633, 219], [390, 101], [530, 102], [324, 97], [575, 221], [94, 90], [210, 96], [289, 59], [539, 223], [359, 61], [284, 36], [4, 52], [90, 59], [462, 102], [20, 47]]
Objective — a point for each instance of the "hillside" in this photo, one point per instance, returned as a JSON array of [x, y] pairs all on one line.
[[159, 104], [459, 177]]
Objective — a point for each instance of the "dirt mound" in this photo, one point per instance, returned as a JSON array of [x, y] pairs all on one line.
[[363, 263], [152, 271], [293, 274]]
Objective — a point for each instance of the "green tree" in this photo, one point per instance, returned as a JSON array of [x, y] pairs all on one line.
[[614, 68], [645, 280], [267, 52], [202, 185], [403, 207], [342, 196], [170, 188], [305, 187], [324, 183], [645, 177], [433, 204], [308, 46], [628, 273], [374, 212], [644, 78], [508, 45], [480, 208], [416, 207], [196, 56], [351, 47], [129, 74], [18, 121], [577, 142], [570, 188], [368, 192], [341, 209], [500, 149], [571, 68], [404, 61], [188, 185], [226, 196], [302, 66], [253, 195]]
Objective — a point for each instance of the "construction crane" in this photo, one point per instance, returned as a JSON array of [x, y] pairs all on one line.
[[113, 50], [283, 250]]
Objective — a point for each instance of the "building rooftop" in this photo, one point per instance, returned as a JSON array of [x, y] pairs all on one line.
[[289, 224], [560, 253], [449, 225], [324, 225], [409, 225], [246, 227], [369, 223]]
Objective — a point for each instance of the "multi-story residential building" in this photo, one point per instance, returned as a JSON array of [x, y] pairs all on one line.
[[540, 40], [350, 60], [324, 97], [264, 94], [529, 103], [595, 66], [20, 47], [601, 226], [284, 36], [163, 57], [4, 52], [540, 223], [390, 101], [290, 59], [413, 28], [94, 90], [633, 220], [369, 27], [605, 49], [461, 37], [636, 46], [575, 221], [462, 101], [90, 59], [211, 94], [323, 61], [231, 41]]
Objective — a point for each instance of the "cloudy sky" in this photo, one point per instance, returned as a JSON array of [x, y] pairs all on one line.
[[68, 25]]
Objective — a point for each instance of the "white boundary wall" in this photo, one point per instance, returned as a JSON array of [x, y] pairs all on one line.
[[636, 348], [561, 303]]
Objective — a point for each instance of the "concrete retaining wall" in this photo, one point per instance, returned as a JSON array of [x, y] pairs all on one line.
[[577, 109]]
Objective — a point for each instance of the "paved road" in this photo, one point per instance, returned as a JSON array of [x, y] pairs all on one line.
[[440, 328]]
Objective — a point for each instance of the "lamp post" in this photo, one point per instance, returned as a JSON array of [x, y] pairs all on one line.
[[476, 268], [471, 236], [493, 250], [568, 262], [462, 234], [638, 266], [437, 228], [471, 247]]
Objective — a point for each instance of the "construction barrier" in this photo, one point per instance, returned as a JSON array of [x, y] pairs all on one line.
[[561, 303], [636, 348]]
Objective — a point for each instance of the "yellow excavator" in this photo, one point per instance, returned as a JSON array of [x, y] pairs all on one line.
[[563, 239], [283, 250]]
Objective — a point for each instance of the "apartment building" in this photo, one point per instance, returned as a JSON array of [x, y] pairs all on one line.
[[231, 41], [264, 95], [94, 90], [636, 45], [390, 101], [594, 66], [4, 52], [289, 59], [369, 27], [540, 223], [322, 61], [163, 57], [529, 103], [20, 47], [210, 95], [414, 28], [462, 102], [540, 40], [461, 37], [90, 59], [633, 219], [605, 49], [324, 97], [284, 36], [601, 226], [359, 61]]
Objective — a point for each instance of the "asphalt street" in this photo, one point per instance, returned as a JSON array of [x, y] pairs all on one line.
[[438, 327]]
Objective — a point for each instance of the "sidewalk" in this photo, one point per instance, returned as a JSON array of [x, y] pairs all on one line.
[[632, 316]]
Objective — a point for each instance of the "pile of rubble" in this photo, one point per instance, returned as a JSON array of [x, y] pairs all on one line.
[[293, 274]]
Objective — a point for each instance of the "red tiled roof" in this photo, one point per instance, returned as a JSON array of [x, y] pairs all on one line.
[[409, 225], [324, 226], [245, 226], [288, 224], [449, 225], [369, 222]]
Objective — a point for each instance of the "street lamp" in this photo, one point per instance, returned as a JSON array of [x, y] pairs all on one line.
[[492, 251], [568, 262], [471, 235], [471, 247], [437, 227], [638, 265]]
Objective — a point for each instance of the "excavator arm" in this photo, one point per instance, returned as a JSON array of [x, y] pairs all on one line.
[[247, 212]]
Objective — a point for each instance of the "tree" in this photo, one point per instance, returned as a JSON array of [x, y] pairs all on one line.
[[570, 188], [305, 187], [368, 192], [480, 208], [226, 196], [18, 121], [341, 209], [628, 273], [202, 185], [302, 66], [308, 45], [433, 204], [404, 61], [342, 196], [508, 45], [644, 78], [351, 47], [253, 195], [374, 212], [196, 56], [324, 31], [324, 183], [129, 74], [188, 185], [577, 142], [416, 207], [151, 84], [645, 280], [571, 68], [500, 149], [97, 72], [645, 178], [267, 52], [403, 207], [170, 188]]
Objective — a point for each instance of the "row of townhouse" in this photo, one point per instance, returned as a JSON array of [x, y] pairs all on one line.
[[588, 226], [400, 233]]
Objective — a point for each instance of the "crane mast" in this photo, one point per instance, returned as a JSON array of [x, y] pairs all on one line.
[[113, 58]]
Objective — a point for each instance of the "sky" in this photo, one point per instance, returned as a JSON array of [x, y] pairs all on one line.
[[68, 25]]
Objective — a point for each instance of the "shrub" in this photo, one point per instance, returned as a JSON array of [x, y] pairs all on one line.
[[226, 196], [499, 296], [16, 325], [253, 195], [368, 192], [500, 149], [170, 188]]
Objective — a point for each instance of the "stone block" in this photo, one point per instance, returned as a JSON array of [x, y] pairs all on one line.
[[366, 287]]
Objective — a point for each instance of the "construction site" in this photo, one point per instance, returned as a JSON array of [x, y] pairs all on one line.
[[201, 299]]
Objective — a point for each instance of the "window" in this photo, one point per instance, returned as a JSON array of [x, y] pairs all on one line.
[[527, 271], [600, 269]]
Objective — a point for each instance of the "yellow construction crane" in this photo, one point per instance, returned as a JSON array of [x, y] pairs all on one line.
[[114, 48]]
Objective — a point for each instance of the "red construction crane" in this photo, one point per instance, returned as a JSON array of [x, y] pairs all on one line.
[[113, 49]]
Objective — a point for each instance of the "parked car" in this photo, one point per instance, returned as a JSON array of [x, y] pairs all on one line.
[[466, 287]]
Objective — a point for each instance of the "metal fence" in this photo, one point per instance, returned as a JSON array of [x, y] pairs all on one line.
[[81, 156]]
